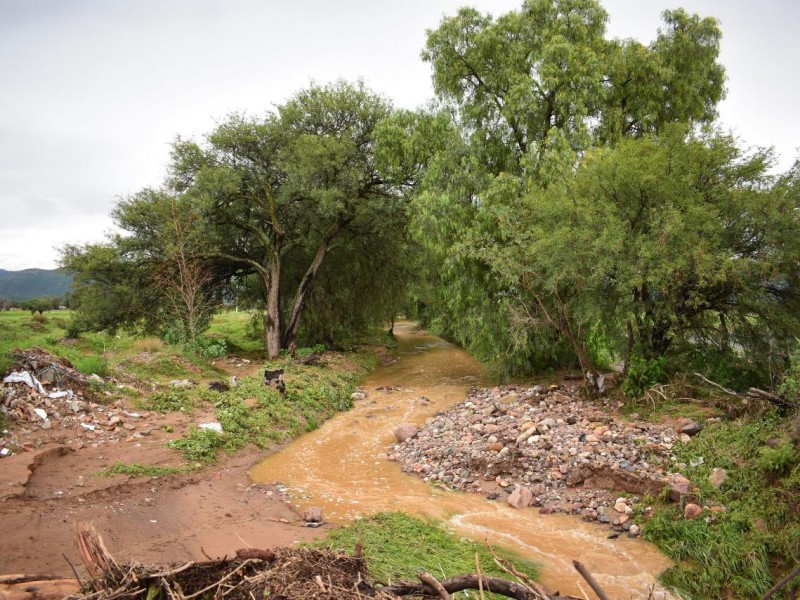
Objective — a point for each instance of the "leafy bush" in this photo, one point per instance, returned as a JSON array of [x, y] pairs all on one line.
[[790, 386], [642, 375], [208, 348]]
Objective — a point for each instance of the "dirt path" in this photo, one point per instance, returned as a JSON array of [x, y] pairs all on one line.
[[47, 489], [150, 520]]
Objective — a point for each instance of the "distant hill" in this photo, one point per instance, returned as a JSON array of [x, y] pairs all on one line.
[[34, 283]]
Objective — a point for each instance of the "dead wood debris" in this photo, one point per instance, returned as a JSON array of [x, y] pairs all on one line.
[[282, 574]]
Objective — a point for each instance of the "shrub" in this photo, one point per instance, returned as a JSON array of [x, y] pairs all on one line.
[[642, 375]]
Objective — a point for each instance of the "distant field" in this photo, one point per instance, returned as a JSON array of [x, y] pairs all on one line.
[[99, 352]]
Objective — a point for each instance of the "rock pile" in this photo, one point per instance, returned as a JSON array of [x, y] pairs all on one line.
[[541, 447], [42, 392]]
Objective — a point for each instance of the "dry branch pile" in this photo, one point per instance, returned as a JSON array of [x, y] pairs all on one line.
[[283, 574]]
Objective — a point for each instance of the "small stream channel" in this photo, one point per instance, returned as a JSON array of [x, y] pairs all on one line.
[[342, 468]]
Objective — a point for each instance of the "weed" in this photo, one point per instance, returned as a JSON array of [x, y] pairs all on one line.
[[397, 546], [169, 401], [737, 552], [148, 344], [139, 470], [642, 375], [199, 445], [91, 365]]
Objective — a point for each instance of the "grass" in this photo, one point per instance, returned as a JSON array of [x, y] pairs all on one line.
[[252, 413], [746, 549], [19, 330], [169, 401], [234, 328], [139, 470], [397, 546]]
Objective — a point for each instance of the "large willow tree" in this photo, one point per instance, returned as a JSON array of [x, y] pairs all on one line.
[[528, 102]]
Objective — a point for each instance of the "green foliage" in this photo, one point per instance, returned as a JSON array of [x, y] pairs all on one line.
[[779, 460], [397, 546], [642, 375], [790, 384], [208, 348], [169, 401], [278, 192], [199, 445], [235, 328], [252, 413], [570, 206], [139, 470], [745, 549], [91, 364]]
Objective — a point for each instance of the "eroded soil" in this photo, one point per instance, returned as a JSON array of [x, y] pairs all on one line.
[[53, 483]]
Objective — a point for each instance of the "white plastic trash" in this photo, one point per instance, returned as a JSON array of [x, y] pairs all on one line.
[[212, 426]]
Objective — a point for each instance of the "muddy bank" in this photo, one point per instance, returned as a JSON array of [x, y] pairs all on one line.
[[59, 439], [149, 520], [342, 467]]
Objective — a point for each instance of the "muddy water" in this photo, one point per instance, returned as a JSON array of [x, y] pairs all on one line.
[[341, 467]]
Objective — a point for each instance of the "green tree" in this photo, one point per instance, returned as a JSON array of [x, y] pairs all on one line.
[[524, 97], [281, 193], [666, 244]]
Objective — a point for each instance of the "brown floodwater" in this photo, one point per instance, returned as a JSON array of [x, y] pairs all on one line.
[[342, 468]]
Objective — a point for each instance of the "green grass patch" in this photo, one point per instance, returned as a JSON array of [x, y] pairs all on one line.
[[397, 546], [199, 445], [169, 401], [252, 413], [749, 547], [19, 330], [234, 327], [139, 470], [91, 365]]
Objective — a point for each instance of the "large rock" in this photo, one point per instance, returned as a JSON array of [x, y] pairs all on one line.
[[692, 511], [688, 426], [405, 431], [521, 497], [717, 477], [678, 486], [312, 515]]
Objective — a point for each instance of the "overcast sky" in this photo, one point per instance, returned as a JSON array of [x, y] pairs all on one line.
[[92, 92]]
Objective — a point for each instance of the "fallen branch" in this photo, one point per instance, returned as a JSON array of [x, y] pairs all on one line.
[[460, 583], [434, 584], [718, 386], [590, 580], [782, 583], [764, 395], [533, 587]]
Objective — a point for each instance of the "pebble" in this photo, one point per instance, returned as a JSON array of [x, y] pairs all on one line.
[[562, 448]]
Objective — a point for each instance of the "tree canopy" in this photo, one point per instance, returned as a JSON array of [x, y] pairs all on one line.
[[268, 200], [574, 199]]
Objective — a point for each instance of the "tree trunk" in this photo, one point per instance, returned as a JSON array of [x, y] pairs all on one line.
[[272, 316], [290, 337]]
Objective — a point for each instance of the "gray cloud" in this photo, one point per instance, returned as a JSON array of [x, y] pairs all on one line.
[[92, 92]]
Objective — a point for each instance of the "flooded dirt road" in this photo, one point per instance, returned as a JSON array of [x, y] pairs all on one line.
[[342, 468]]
